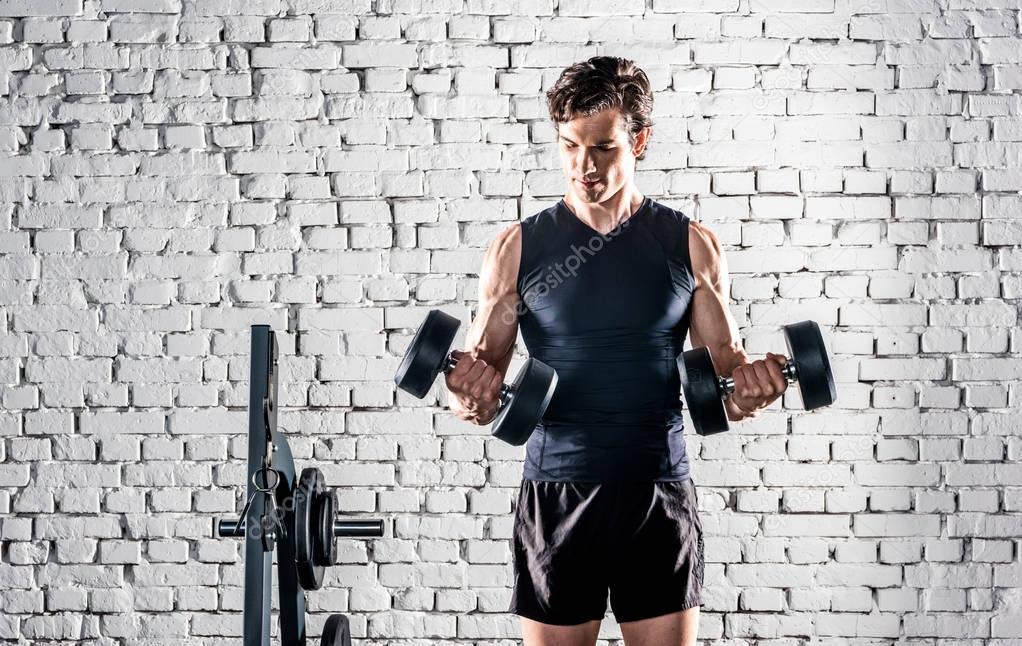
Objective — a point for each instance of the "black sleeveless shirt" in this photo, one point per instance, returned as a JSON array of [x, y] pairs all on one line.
[[609, 312]]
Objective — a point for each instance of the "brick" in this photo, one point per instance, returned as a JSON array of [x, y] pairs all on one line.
[[806, 525], [896, 525]]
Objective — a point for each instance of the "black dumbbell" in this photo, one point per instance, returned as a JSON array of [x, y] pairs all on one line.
[[808, 365], [522, 403]]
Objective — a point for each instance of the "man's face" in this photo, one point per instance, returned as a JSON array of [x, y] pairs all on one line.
[[597, 148]]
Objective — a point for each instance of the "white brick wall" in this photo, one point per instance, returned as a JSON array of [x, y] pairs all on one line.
[[172, 172]]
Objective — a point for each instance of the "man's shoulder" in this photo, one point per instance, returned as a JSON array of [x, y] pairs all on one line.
[[669, 211], [540, 217]]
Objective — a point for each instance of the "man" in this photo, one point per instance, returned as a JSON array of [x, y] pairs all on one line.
[[605, 284]]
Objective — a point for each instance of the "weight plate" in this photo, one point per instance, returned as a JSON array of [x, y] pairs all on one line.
[[426, 354], [531, 392], [310, 487], [326, 547], [702, 393], [808, 352], [336, 631]]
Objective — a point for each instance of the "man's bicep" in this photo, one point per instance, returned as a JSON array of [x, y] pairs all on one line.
[[494, 329], [711, 324]]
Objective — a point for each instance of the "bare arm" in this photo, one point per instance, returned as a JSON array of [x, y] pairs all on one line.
[[492, 333], [712, 324]]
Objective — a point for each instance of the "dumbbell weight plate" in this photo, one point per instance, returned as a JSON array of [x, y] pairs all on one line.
[[702, 392], [807, 350], [308, 492], [336, 631], [325, 553], [425, 356], [532, 390]]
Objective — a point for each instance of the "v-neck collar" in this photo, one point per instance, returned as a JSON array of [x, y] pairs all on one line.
[[642, 207]]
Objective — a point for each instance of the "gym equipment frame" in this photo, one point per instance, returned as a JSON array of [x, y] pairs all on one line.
[[269, 520]]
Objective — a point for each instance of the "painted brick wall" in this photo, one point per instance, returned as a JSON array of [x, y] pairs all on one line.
[[174, 171]]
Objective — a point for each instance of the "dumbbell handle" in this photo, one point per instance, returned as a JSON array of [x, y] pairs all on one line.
[[727, 384], [505, 390], [229, 527]]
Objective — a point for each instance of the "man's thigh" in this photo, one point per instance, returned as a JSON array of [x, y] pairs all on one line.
[[535, 633], [658, 569], [560, 577], [675, 629]]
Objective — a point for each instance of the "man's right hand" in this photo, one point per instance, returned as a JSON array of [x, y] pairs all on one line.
[[475, 389]]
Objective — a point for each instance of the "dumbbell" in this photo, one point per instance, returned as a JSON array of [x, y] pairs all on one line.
[[808, 365], [522, 403]]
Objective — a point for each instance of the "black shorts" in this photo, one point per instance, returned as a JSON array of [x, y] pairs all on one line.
[[574, 541]]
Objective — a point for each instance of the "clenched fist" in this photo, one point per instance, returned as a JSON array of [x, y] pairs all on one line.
[[475, 388], [758, 384]]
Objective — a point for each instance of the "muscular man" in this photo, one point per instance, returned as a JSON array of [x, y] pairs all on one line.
[[605, 285]]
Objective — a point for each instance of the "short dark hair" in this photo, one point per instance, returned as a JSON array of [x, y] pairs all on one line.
[[602, 82]]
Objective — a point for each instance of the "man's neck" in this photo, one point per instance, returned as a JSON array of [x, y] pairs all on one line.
[[607, 215]]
